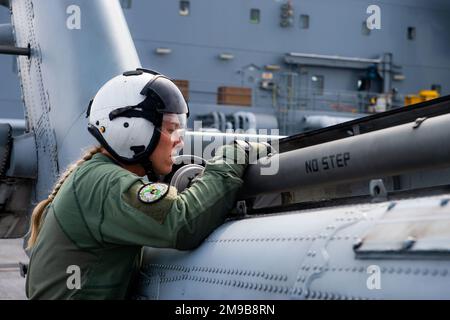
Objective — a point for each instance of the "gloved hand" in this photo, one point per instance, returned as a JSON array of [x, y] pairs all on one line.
[[255, 150]]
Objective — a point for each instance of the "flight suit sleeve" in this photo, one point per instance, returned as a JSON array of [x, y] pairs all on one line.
[[179, 220]]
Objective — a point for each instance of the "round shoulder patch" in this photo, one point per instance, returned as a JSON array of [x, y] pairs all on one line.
[[152, 192]]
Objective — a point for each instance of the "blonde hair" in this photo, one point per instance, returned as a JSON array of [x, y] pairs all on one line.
[[36, 216]]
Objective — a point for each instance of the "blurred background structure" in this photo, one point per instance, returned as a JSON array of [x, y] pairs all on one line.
[[296, 65]]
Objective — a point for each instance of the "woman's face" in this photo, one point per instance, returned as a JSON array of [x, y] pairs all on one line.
[[170, 141]]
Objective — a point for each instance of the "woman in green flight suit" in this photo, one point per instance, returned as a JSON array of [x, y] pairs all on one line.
[[101, 212]]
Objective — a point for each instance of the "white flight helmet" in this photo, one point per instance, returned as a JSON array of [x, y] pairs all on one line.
[[126, 114]]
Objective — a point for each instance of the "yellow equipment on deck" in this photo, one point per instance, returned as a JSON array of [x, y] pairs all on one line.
[[423, 95]]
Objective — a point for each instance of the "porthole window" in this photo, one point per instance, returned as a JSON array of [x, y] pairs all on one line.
[[255, 16], [411, 33], [184, 8], [304, 21]]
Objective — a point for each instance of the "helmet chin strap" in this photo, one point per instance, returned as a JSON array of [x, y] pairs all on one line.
[[151, 175]]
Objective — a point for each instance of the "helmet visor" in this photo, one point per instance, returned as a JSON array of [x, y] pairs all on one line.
[[171, 96], [174, 125]]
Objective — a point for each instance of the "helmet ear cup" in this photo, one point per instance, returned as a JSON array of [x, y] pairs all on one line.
[[142, 153], [137, 152]]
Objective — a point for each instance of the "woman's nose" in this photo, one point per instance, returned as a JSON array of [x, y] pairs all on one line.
[[178, 142], [177, 136]]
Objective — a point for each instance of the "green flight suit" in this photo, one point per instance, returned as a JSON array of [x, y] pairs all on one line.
[[97, 223]]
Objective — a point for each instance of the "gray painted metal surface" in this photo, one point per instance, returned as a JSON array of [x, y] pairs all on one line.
[[409, 230], [318, 60], [15, 51], [317, 122], [16, 124], [409, 147], [12, 285], [6, 34], [60, 77], [23, 159], [300, 255]]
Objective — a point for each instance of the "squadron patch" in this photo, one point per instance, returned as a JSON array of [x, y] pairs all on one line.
[[152, 192]]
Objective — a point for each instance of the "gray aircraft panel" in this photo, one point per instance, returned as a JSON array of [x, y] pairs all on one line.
[[301, 255], [403, 148], [66, 70]]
